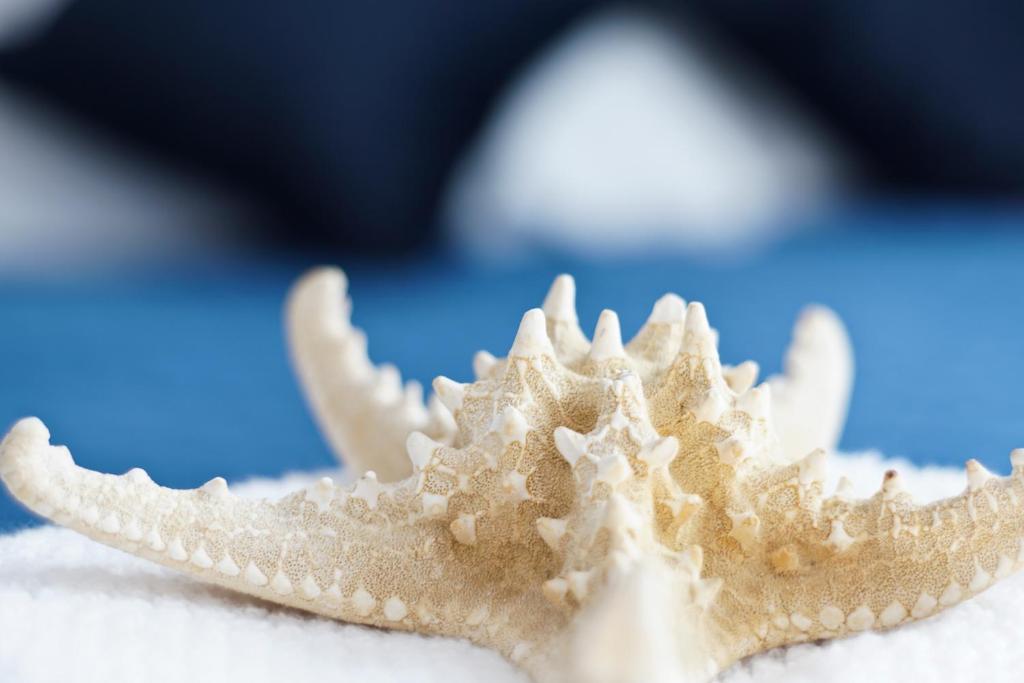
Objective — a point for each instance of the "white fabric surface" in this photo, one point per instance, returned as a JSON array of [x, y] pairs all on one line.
[[74, 610]]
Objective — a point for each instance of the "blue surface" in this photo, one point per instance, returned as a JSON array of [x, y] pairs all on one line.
[[184, 373]]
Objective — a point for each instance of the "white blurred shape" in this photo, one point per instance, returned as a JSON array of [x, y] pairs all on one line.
[[629, 134], [72, 199], [21, 19]]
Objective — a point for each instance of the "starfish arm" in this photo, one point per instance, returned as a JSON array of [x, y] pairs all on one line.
[[363, 411], [884, 561], [563, 327], [809, 401], [594, 510], [642, 627], [347, 553]]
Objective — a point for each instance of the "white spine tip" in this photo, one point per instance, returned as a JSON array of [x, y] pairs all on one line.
[[711, 407], [177, 550], [743, 376], [435, 505], [155, 541], [420, 448], [698, 337], [1017, 457], [132, 530], [449, 392], [463, 528], [555, 590], [560, 303], [253, 575], [579, 583], [607, 343], [532, 337], [746, 528], [227, 566], [483, 363], [32, 428], [732, 450], [668, 310], [697, 319], [281, 584], [513, 426], [660, 453], [90, 514], [412, 396], [693, 558], [321, 493], [201, 558], [368, 489], [363, 602], [813, 467], [756, 402], [215, 488], [387, 384], [813, 317], [514, 485], [977, 475], [395, 609], [980, 580], [844, 489], [137, 475], [110, 524], [310, 589], [892, 485], [613, 469], [440, 416], [838, 538], [552, 531], [620, 516], [329, 278], [571, 445]]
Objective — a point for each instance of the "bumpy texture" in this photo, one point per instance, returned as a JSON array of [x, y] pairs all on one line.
[[596, 512]]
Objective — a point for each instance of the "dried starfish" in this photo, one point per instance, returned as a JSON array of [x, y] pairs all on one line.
[[596, 512]]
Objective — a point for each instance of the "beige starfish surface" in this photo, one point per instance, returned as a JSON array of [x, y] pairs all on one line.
[[597, 512]]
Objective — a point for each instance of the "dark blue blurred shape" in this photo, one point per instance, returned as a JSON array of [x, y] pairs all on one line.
[[185, 374], [343, 117], [347, 116], [926, 94]]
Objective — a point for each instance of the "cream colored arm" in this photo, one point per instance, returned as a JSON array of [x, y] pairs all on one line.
[[810, 399], [885, 560], [327, 549], [363, 411]]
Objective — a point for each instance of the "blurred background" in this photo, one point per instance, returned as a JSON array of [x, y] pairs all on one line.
[[168, 168]]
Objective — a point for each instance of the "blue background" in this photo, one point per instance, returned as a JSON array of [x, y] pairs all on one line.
[[183, 371]]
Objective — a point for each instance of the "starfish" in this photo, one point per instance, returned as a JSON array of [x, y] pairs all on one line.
[[597, 512]]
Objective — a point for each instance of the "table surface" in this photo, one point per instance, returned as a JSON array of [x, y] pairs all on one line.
[[183, 371]]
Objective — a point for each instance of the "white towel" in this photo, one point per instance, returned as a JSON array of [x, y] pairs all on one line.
[[74, 610]]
